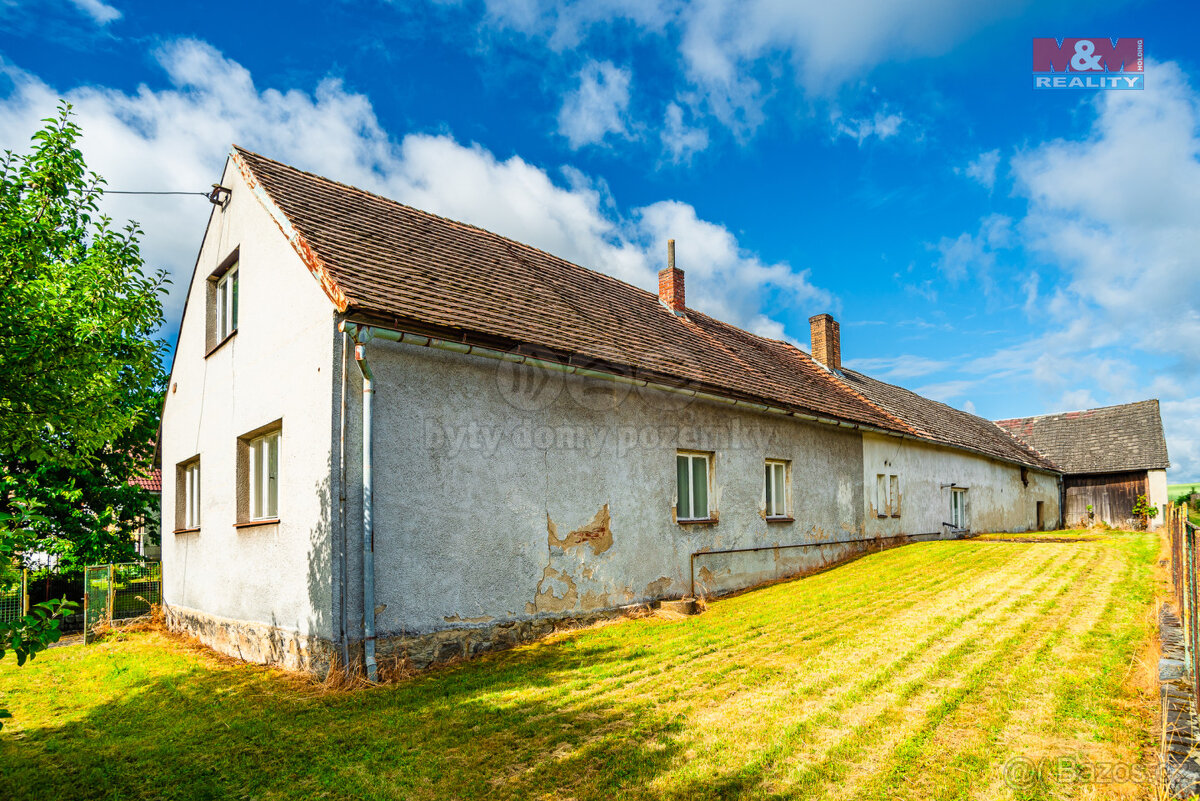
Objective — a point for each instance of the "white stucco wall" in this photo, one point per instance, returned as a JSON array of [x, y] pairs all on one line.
[[280, 364], [1156, 481], [997, 499], [472, 492]]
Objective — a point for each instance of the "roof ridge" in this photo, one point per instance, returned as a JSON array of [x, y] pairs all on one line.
[[830, 375], [443, 219], [990, 423], [1078, 411]]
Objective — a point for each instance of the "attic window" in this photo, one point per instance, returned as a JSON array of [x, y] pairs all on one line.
[[222, 292], [227, 300]]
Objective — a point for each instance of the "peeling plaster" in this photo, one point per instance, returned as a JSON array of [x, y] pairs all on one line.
[[597, 534]]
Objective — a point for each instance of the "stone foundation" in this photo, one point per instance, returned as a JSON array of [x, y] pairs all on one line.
[[422, 650], [253, 642]]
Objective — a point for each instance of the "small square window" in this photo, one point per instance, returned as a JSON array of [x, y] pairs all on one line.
[[776, 488], [693, 474], [187, 494]]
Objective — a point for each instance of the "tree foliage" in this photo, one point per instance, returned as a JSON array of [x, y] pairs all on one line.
[[78, 315]]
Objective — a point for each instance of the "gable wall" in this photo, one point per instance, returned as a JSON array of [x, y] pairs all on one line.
[[280, 364]]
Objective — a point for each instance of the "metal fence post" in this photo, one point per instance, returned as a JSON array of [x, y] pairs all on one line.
[[108, 605], [25, 591]]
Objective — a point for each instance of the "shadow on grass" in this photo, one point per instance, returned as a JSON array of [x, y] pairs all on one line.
[[494, 728]]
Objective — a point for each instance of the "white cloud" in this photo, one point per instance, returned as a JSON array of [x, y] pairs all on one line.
[[598, 107], [100, 12], [679, 139], [899, 367], [974, 255], [1114, 212], [983, 169], [177, 138], [732, 51], [882, 125]]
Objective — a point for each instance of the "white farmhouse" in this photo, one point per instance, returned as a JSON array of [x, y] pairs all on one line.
[[388, 432]]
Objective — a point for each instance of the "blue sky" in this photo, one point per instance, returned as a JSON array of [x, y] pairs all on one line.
[[1004, 250]]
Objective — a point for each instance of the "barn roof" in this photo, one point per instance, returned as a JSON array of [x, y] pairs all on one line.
[[1111, 439], [392, 265]]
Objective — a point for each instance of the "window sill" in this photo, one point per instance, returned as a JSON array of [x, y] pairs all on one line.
[[702, 521], [781, 520], [881, 517], [186, 530], [220, 344], [252, 523], [896, 516]]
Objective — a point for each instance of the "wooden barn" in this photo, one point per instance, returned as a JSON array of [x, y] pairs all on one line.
[[1108, 456]]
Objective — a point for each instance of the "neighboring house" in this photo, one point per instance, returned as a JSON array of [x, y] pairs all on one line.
[[541, 441], [147, 538], [1108, 456]]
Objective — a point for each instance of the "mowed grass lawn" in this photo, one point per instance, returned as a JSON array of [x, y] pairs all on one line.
[[915, 673]]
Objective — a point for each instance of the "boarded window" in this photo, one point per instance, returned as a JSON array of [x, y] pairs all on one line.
[[894, 496]]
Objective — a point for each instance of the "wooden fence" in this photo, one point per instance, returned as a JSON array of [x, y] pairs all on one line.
[[1184, 577]]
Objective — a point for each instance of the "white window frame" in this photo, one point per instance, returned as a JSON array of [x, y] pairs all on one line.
[[227, 302], [191, 495], [693, 458], [263, 473], [776, 497], [958, 507]]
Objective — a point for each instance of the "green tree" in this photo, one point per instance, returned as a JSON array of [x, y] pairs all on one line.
[[88, 512], [77, 313], [80, 369]]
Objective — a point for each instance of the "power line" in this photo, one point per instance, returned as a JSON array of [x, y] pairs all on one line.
[[127, 192]]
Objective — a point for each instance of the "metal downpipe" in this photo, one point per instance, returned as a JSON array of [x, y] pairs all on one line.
[[368, 514]]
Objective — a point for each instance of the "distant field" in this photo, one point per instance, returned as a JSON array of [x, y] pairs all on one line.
[[1177, 491]]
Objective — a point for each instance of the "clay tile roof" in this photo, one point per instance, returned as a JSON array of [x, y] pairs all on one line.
[[380, 260], [152, 482], [945, 424], [1111, 439]]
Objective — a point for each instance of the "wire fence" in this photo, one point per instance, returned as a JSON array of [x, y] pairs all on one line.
[[119, 592], [14, 600], [1187, 587]]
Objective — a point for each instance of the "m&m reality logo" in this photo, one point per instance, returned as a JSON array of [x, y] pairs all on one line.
[[1096, 63]]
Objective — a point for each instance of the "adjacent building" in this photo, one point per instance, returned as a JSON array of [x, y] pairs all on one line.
[[1108, 456]]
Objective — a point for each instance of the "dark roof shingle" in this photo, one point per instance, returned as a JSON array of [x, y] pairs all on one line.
[[945, 424], [394, 262], [1111, 439], [380, 260]]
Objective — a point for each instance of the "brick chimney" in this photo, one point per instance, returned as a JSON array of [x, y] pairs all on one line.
[[670, 282], [826, 340]]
